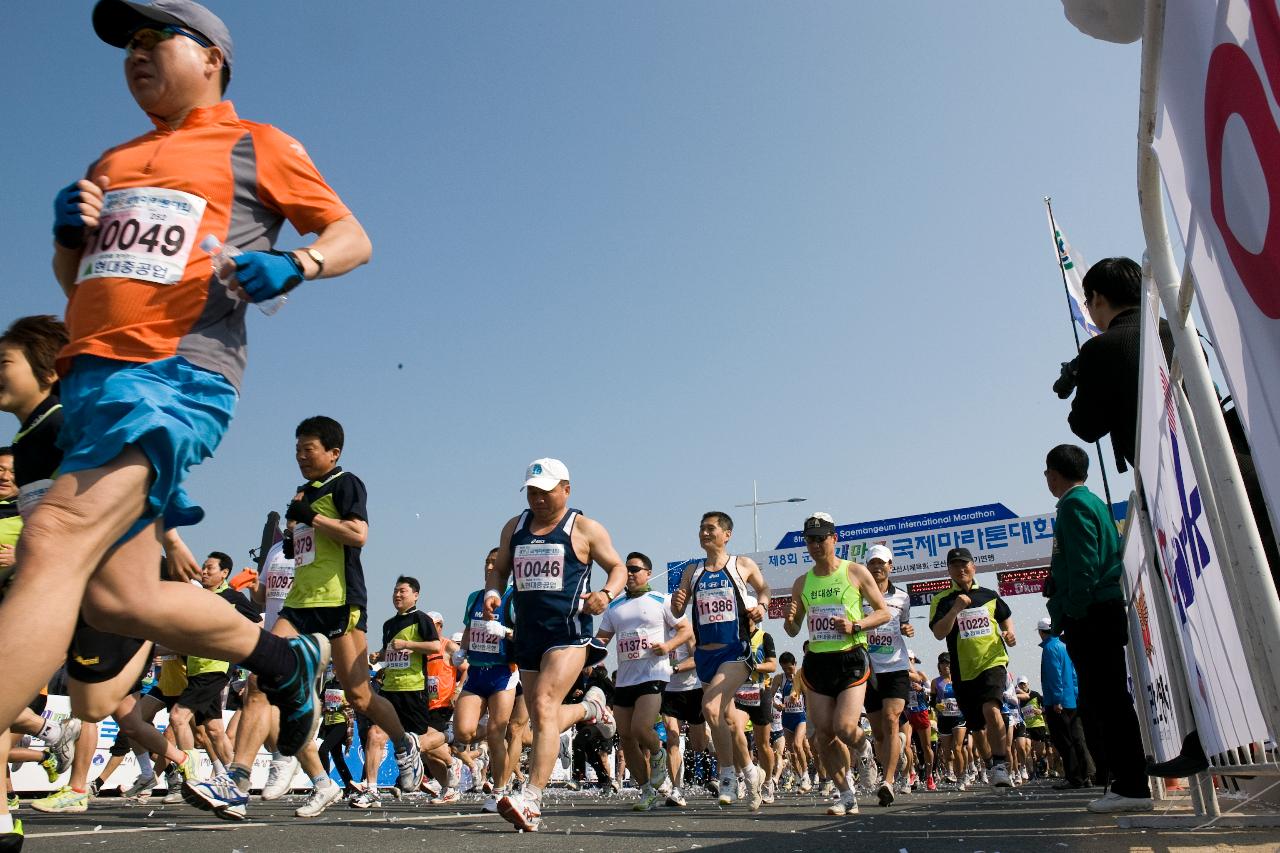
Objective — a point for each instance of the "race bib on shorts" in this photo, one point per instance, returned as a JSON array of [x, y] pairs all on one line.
[[485, 637], [974, 623], [748, 694], [279, 581], [539, 568], [144, 233], [396, 658], [717, 604], [304, 545], [634, 645], [950, 707], [30, 495], [332, 700], [822, 622]]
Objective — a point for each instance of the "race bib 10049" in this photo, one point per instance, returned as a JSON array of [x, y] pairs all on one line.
[[716, 604], [144, 233], [539, 568], [974, 623]]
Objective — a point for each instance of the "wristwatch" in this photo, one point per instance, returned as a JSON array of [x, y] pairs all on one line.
[[315, 255], [608, 594]]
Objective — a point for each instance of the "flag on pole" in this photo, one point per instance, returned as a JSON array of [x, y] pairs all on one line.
[[1073, 269]]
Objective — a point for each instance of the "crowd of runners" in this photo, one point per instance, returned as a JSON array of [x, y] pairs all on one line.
[[115, 404]]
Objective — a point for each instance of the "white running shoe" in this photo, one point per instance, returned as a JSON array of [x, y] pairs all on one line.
[[409, 763], [658, 768], [63, 748], [728, 790], [321, 798], [280, 777], [1113, 803], [999, 774], [849, 799], [601, 717], [141, 788], [755, 786], [521, 812], [648, 801], [676, 799], [769, 792]]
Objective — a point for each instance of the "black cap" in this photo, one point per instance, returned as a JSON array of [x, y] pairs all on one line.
[[959, 555], [819, 524], [115, 22]]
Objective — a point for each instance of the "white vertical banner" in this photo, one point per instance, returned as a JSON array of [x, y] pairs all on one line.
[[1223, 699], [1073, 269], [1218, 141], [1152, 688]]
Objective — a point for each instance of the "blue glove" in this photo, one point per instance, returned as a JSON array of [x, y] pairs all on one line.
[[266, 275], [68, 224]]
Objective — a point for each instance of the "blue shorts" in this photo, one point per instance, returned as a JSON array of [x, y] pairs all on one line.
[[175, 412], [484, 681], [708, 663], [791, 722]]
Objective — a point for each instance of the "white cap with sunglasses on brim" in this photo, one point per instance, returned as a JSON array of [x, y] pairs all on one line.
[[545, 474], [115, 22], [819, 524]]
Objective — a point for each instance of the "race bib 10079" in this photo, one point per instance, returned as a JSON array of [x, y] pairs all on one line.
[[539, 568], [144, 233]]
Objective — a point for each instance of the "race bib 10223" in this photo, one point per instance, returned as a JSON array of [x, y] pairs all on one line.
[[974, 623]]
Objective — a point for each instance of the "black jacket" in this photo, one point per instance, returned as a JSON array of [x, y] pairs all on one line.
[[1108, 384]]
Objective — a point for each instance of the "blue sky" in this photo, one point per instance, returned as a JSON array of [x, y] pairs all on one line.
[[679, 246]]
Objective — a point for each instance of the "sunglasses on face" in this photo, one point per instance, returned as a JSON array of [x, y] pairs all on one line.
[[148, 37], [633, 569]]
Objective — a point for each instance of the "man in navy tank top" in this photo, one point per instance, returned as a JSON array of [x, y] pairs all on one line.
[[547, 552]]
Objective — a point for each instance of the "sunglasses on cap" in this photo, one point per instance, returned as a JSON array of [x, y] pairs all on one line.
[[147, 38]]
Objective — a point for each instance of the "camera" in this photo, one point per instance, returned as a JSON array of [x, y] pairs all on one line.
[[1066, 381]]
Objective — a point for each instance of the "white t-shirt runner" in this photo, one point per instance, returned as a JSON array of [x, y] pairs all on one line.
[[638, 624], [278, 579], [886, 644], [682, 682]]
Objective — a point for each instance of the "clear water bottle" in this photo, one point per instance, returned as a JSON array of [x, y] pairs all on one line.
[[224, 267]]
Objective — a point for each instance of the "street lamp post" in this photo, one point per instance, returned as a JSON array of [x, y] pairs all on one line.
[[755, 505]]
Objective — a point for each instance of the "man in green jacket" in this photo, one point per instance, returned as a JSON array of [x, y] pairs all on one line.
[[1086, 604]]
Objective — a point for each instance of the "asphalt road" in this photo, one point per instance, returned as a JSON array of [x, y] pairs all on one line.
[[1031, 818]]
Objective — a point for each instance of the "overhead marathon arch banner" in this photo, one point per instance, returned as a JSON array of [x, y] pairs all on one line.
[[1016, 548]]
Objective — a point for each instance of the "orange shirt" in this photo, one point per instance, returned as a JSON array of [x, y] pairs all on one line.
[[146, 291], [441, 679]]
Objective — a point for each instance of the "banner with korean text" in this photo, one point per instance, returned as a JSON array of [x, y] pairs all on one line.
[[1153, 694], [1218, 142], [1222, 696]]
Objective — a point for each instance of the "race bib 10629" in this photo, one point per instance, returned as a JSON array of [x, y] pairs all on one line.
[[144, 233], [539, 568]]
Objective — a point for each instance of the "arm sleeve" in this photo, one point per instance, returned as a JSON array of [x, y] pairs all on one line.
[[1080, 555], [350, 498], [289, 182], [1002, 610], [427, 628], [767, 647], [1090, 417], [471, 606]]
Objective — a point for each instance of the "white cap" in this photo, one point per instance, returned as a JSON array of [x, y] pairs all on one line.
[[434, 616], [911, 655], [1045, 624], [545, 474], [879, 552], [457, 637], [1024, 680]]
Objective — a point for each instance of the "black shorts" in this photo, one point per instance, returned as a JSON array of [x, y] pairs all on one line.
[[37, 705], [832, 673], [625, 697], [987, 687], [411, 708], [759, 715], [684, 705], [886, 685], [333, 622], [203, 696], [1020, 730], [1039, 734], [440, 718], [528, 654], [96, 656], [946, 725], [122, 746]]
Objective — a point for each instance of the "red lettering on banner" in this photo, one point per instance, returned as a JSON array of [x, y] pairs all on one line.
[[1233, 87]]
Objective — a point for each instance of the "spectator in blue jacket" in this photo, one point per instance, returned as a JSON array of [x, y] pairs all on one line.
[[1060, 692]]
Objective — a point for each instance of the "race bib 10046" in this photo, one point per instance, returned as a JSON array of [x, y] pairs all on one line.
[[974, 623], [539, 568], [144, 233], [716, 604]]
